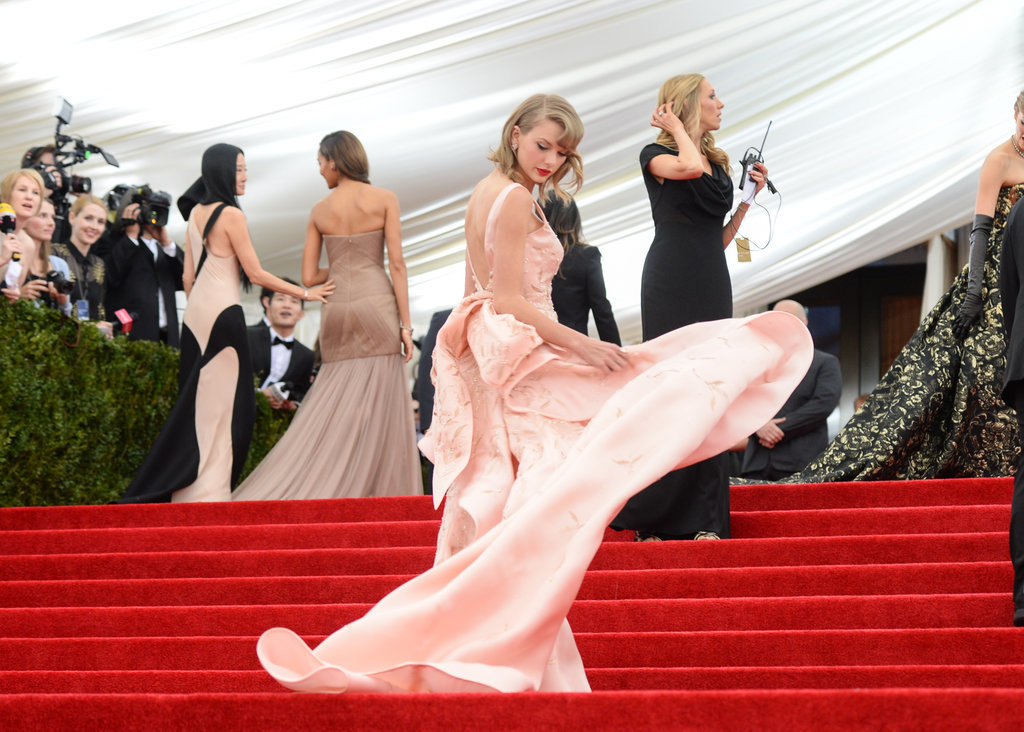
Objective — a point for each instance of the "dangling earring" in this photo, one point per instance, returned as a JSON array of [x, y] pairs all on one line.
[[515, 147]]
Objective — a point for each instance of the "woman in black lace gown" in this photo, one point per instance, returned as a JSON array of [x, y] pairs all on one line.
[[938, 412], [686, 280]]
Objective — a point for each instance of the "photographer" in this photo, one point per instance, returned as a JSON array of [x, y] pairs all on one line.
[[279, 362], [144, 266], [88, 217], [46, 279]]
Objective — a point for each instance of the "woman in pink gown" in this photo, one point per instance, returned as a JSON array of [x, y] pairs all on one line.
[[540, 435]]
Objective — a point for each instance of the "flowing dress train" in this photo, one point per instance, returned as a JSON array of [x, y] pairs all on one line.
[[535, 452]]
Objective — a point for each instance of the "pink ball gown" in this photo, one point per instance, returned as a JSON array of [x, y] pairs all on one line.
[[536, 452]]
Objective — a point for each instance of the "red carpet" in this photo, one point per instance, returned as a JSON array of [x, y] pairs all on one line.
[[842, 606]]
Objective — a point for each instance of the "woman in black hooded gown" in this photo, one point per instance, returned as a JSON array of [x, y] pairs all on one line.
[[201, 450]]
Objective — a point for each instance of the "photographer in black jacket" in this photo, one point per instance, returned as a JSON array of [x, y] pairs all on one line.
[[144, 266]]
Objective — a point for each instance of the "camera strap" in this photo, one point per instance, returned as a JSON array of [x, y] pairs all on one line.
[[206, 232]]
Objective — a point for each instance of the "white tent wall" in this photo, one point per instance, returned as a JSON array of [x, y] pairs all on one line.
[[882, 112]]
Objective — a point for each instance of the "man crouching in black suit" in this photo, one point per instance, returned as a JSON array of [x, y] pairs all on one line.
[[799, 432], [283, 366]]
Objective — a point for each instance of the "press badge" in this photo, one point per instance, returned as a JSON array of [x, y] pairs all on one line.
[[82, 308], [742, 249]]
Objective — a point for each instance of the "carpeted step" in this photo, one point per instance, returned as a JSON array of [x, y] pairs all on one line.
[[757, 524], [601, 679], [586, 616], [870, 521], [939, 646], [964, 577], [776, 709], [232, 538], [872, 494], [783, 551], [963, 491], [330, 511]]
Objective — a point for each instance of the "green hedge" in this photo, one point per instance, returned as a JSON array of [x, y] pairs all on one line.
[[76, 422]]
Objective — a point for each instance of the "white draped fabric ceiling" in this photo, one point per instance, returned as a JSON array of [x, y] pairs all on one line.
[[881, 111]]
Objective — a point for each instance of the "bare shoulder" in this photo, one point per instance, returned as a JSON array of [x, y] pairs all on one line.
[[233, 215], [998, 159]]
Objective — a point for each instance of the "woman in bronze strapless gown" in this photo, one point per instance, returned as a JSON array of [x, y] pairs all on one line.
[[354, 433]]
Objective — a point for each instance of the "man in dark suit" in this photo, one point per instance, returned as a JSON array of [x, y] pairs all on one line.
[[423, 389], [1011, 273], [577, 289], [799, 432], [143, 272], [279, 362]]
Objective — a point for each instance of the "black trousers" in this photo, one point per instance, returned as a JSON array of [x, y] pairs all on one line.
[[1017, 511]]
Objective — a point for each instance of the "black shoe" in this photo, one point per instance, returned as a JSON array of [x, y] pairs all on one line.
[[1018, 617]]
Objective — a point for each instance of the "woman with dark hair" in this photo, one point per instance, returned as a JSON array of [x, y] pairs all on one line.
[[202, 447], [539, 436], [336, 447], [577, 289]]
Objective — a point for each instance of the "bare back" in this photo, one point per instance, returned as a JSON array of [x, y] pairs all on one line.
[[217, 242], [352, 208], [479, 209]]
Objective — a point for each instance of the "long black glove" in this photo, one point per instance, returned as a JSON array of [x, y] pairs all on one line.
[[971, 306]]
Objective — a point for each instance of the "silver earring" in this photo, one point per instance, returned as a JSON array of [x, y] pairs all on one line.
[[515, 147]]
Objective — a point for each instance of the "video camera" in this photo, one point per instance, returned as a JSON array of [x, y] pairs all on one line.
[[154, 206], [68, 150]]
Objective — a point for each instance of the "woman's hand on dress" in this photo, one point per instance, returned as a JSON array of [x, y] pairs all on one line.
[[601, 355], [320, 293], [665, 119], [406, 336]]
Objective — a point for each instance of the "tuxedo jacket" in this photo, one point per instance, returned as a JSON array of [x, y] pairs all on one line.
[[805, 428], [1011, 274], [299, 370], [578, 288], [133, 280]]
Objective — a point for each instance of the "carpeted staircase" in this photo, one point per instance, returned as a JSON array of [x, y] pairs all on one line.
[[855, 605]]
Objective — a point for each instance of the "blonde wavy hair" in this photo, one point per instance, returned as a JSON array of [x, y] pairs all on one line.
[[528, 115], [683, 92], [7, 184], [1020, 103]]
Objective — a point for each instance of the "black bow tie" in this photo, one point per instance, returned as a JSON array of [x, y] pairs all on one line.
[[278, 341]]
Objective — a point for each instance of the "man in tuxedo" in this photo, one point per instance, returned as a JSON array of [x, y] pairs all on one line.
[[277, 358], [144, 269], [799, 432]]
